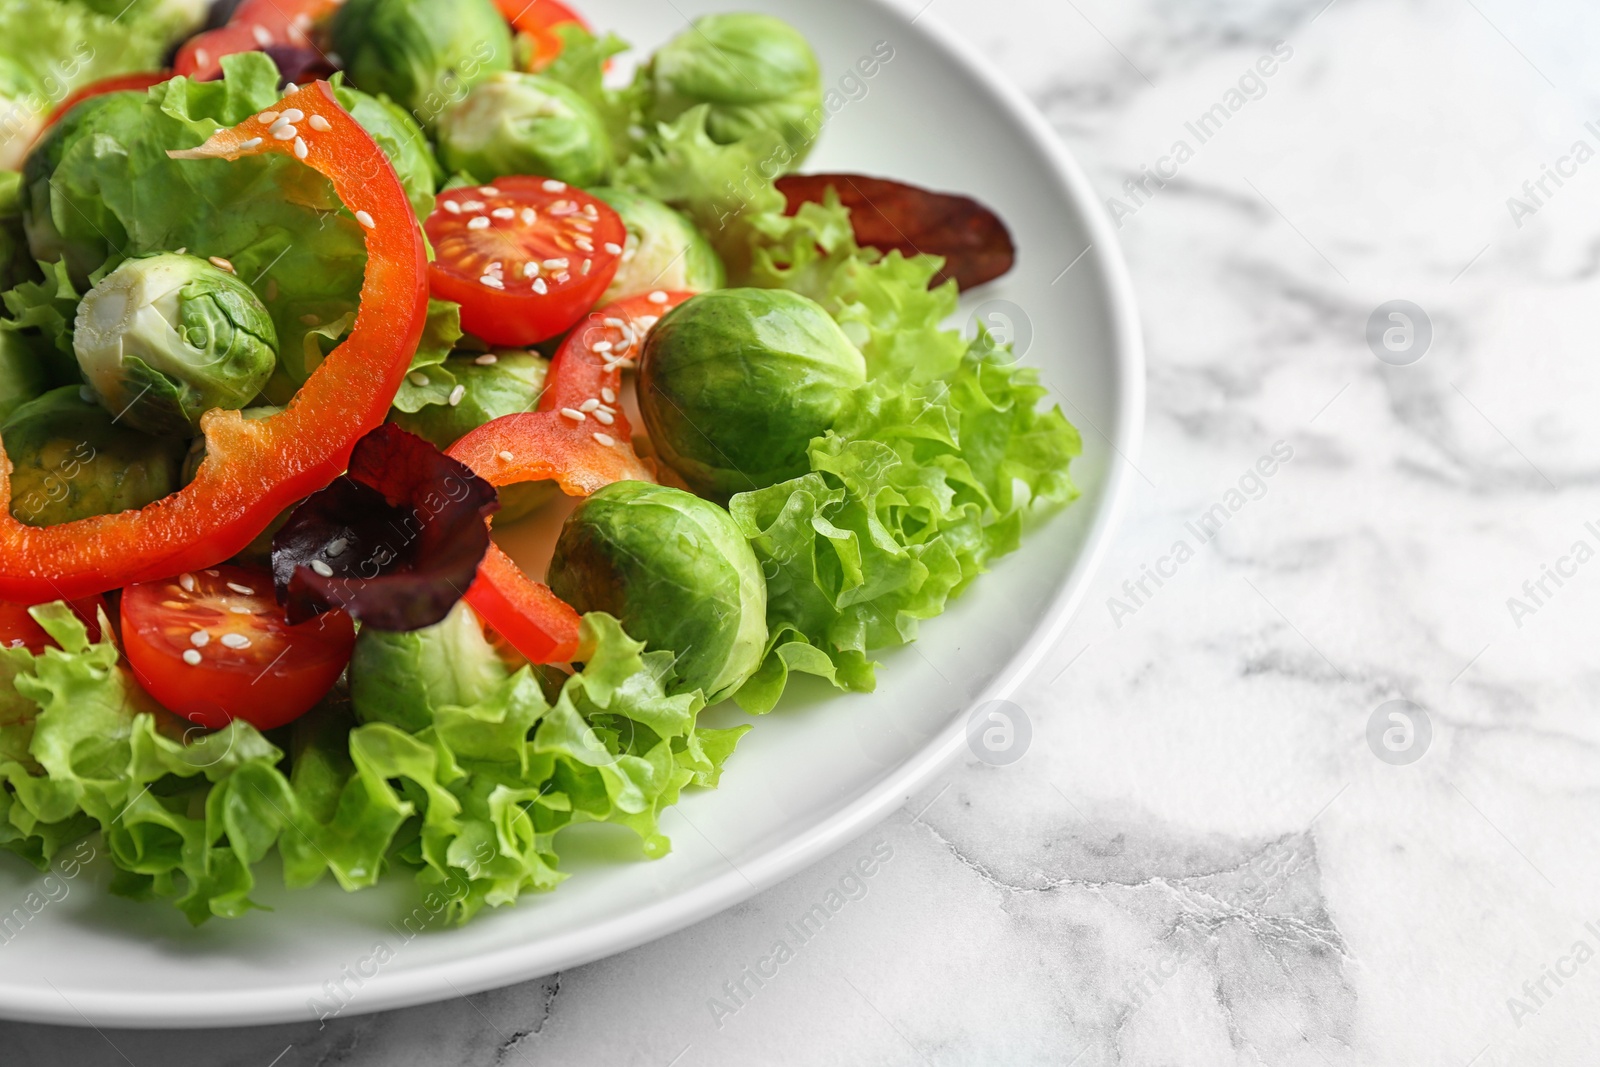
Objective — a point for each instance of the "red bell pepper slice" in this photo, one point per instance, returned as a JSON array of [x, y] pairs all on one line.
[[539, 19], [255, 469], [581, 455]]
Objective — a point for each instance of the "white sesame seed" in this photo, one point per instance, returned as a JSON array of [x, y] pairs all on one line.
[[583, 244], [614, 248], [609, 395], [365, 218], [320, 124], [186, 580], [591, 211], [473, 205], [479, 223], [540, 287], [613, 322], [488, 190], [242, 590], [202, 57], [488, 359], [647, 322], [282, 131], [337, 546], [457, 395], [563, 278], [605, 418], [507, 457], [300, 149], [254, 142], [588, 265], [553, 186], [530, 269], [658, 297], [529, 216], [589, 405], [605, 439], [292, 88], [603, 346], [504, 213], [239, 609], [200, 639], [418, 378], [292, 114], [574, 414], [583, 227], [322, 568], [267, 118], [495, 267], [261, 34], [492, 282], [191, 657], [450, 206], [213, 572], [556, 264], [563, 208], [235, 640]]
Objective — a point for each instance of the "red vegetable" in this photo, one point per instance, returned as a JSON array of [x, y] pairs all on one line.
[[256, 25], [893, 216], [525, 257], [580, 454], [539, 19], [18, 630], [255, 469], [213, 646], [118, 84]]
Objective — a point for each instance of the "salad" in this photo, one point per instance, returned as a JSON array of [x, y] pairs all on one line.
[[302, 299]]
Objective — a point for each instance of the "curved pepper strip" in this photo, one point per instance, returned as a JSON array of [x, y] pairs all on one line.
[[255, 469], [549, 445]]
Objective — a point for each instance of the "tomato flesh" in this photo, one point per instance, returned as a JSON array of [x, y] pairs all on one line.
[[525, 257], [19, 630], [200, 58], [214, 646], [256, 24]]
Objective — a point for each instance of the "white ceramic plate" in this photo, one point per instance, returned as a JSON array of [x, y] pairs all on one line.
[[811, 776]]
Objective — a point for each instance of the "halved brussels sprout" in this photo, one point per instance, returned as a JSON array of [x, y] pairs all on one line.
[[71, 460], [734, 384], [513, 123], [677, 573], [405, 678], [664, 250], [23, 375], [163, 339], [756, 71], [423, 54], [511, 383]]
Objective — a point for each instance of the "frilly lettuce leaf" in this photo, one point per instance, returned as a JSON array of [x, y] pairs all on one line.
[[581, 67]]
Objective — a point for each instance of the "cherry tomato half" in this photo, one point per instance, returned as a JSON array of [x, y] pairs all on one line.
[[256, 24], [200, 58], [538, 19], [18, 630], [213, 646], [526, 258]]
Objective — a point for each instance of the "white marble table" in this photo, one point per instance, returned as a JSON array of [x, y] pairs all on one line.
[[1202, 860]]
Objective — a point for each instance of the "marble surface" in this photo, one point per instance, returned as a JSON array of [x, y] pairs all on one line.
[[1209, 854]]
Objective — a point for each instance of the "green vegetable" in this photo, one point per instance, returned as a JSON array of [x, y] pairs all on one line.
[[663, 251], [71, 460], [402, 141], [756, 72], [423, 54], [734, 384], [407, 678], [514, 123], [581, 66], [175, 19], [23, 375], [163, 339], [678, 574]]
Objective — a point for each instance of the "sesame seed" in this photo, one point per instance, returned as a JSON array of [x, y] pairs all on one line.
[[605, 439], [488, 359], [191, 657], [479, 223], [591, 211], [504, 213], [556, 264], [242, 590], [647, 322], [322, 568], [235, 640], [615, 323], [213, 572], [603, 346], [202, 57], [506, 457], [267, 118], [488, 190], [457, 395], [239, 609], [563, 278], [418, 378], [186, 580], [529, 215], [473, 205], [337, 546], [254, 142], [614, 248], [292, 114], [588, 265], [530, 269], [553, 186], [658, 297], [496, 267], [589, 405], [261, 34], [300, 149], [281, 132], [605, 418], [222, 264], [365, 218], [563, 208], [609, 395], [584, 244], [540, 287], [492, 282], [450, 206], [320, 124], [574, 414], [583, 227], [292, 88]]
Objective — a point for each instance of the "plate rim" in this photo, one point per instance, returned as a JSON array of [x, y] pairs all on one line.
[[285, 1004]]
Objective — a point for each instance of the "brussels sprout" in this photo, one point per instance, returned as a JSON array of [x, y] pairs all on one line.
[[677, 573], [165, 338], [23, 375], [404, 678], [664, 250], [734, 384], [402, 141], [423, 54], [71, 460], [755, 71], [514, 123]]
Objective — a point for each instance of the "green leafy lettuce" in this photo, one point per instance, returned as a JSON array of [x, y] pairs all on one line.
[[470, 797]]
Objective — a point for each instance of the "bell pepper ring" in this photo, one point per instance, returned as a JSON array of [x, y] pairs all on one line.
[[255, 469], [581, 439]]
